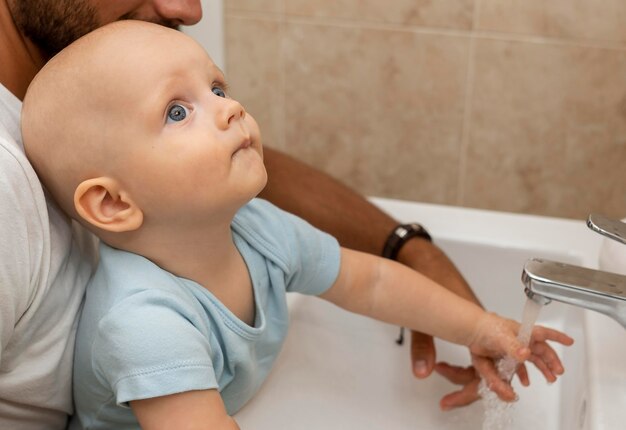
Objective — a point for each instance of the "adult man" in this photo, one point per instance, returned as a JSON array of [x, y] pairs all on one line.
[[45, 261]]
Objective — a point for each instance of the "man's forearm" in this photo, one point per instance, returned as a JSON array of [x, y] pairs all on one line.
[[429, 260], [326, 203]]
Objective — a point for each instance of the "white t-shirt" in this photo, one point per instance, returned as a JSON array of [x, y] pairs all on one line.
[[43, 274]]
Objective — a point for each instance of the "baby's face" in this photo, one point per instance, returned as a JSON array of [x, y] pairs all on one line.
[[179, 142]]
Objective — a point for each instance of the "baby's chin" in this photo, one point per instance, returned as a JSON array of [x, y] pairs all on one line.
[[251, 175], [262, 181]]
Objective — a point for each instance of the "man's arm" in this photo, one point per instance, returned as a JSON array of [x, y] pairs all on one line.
[[358, 224]]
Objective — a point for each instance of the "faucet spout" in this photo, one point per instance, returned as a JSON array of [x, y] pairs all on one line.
[[537, 298], [599, 291], [613, 229]]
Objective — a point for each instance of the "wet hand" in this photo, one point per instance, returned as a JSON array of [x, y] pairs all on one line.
[[495, 339]]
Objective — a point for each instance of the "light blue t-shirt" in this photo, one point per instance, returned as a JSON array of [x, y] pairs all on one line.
[[146, 333]]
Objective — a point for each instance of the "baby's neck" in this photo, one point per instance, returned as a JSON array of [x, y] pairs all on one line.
[[205, 254]]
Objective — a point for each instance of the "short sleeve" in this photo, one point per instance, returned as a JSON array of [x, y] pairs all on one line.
[[21, 238], [310, 258], [150, 345]]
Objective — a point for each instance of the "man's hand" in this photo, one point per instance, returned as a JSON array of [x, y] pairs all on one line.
[[464, 376], [469, 380], [538, 352], [428, 259]]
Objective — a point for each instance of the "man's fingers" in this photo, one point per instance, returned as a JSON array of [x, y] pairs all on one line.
[[468, 394], [522, 374], [456, 374], [422, 354]]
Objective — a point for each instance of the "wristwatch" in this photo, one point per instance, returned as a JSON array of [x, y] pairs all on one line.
[[400, 235]]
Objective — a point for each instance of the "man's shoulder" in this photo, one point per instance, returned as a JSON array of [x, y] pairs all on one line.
[[17, 177], [23, 210], [10, 107], [12, 158]]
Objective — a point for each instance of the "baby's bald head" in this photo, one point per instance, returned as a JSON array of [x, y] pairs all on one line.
[[130, 126], [76, 109]]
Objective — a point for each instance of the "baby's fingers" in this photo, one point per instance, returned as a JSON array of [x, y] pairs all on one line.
[[543, 368], [486, 368], [546, 360], [541, 334]]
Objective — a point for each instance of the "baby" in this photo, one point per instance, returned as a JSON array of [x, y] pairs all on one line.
[[132, 132]]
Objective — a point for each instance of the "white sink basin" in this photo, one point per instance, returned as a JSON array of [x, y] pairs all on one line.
[[342, 371]]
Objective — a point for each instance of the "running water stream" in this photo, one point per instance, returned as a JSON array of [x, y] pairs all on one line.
[[497, 412]]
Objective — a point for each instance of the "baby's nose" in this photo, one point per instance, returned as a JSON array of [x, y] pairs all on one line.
[[231, 112]]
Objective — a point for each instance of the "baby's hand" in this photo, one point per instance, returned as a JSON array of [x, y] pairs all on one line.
[[496, 338]]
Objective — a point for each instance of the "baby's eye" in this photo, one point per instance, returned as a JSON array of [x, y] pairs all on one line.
[[218, 92], [176, 113]]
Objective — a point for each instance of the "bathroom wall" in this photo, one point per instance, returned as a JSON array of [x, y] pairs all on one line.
[[209, 32], [511, 105]]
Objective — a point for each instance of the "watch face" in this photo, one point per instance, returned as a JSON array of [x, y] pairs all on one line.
[[400, 235], [401, 232], [418, 230]]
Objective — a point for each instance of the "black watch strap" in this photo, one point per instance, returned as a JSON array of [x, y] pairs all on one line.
[[400, 235]]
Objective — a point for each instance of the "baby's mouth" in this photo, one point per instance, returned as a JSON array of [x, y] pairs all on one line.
[[244, 145]]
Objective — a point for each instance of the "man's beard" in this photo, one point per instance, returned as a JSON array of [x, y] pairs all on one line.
[[52, 25]]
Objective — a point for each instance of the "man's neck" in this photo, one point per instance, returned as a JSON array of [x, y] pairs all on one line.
[[20, 58]]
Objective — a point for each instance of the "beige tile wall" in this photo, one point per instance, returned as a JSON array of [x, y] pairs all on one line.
[[513, 105]]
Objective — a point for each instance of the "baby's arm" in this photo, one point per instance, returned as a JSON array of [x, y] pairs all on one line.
[[391, 292], [192, 410]]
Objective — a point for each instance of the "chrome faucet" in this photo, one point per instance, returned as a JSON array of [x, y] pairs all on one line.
[[597, 290]]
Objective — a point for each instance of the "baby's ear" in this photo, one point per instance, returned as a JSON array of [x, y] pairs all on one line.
[[105, 205]]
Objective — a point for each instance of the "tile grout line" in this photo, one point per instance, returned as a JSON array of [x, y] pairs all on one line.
[[435, 31], [467, 114], [283, 78]]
